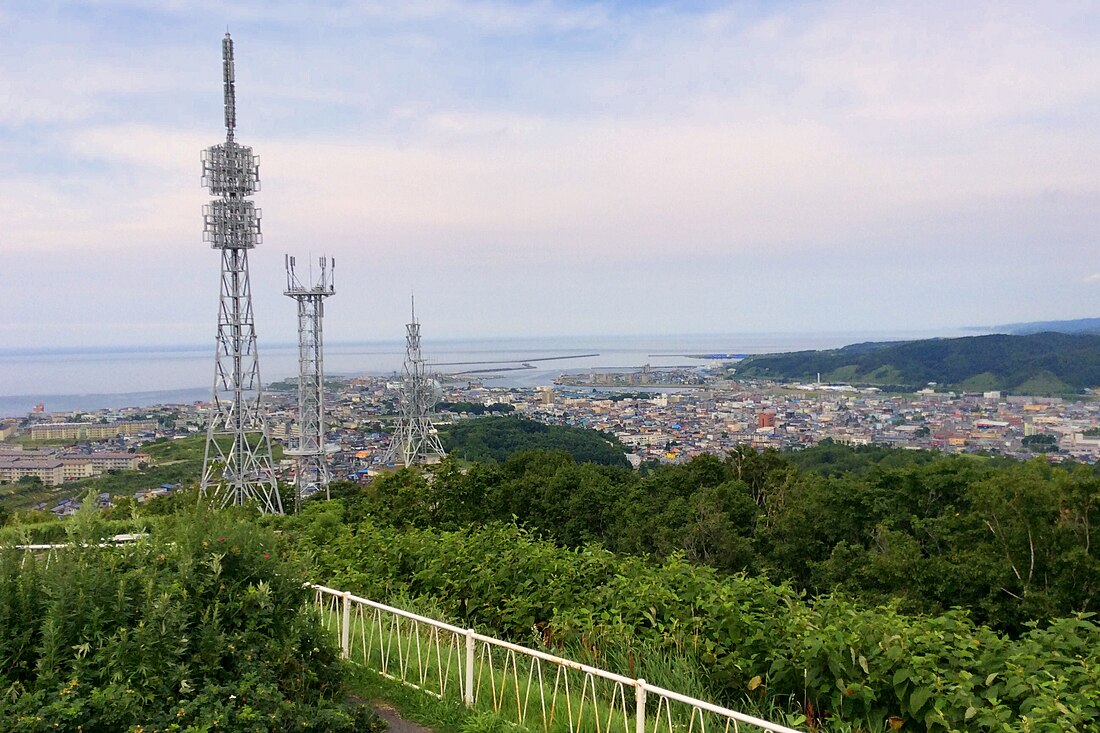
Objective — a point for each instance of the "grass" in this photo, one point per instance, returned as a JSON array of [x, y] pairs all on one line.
[[16, 497], [440, 715], [505, 684], [516, 691]]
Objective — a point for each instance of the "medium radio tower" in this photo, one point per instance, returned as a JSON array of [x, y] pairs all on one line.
[[415, 440], [312, 474], [237, 466]]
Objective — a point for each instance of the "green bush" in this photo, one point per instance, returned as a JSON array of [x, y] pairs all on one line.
[[1009, 541], [832, 657], [205, 627]]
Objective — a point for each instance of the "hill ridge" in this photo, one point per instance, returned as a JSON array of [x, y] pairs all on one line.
[[1047, 363]]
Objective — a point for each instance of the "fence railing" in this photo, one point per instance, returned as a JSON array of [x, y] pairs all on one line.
[[530, 687]]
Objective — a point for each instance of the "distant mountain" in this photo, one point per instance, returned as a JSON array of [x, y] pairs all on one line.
[[1077, 325], [1038, 364]]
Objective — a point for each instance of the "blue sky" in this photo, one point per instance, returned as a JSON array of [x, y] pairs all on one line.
[[556, 167]]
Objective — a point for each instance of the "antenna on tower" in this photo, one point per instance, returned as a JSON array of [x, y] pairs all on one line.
[[230, 86]]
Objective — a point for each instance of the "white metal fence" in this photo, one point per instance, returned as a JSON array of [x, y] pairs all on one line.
[[533, 688]]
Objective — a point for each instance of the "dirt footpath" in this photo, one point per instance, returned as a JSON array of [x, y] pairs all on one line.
[[397, 724]]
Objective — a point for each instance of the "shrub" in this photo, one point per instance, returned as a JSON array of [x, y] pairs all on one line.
[[205, 627], [833, 656]]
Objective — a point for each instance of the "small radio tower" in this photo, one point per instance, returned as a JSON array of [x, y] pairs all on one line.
[[312, 474], [237, 465], [415, 439]]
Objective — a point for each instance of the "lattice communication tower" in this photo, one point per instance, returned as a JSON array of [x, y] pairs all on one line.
[[237, 465], [312, 474], [415, 439]]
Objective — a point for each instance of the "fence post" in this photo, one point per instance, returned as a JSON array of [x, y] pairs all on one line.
[[471, 650], [639, 706], [345, 626]]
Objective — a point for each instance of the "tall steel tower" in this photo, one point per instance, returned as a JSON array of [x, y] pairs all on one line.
[[415, 439], [312, 474], [237, 466]]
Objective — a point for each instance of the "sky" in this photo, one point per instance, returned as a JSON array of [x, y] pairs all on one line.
[[555, 168]]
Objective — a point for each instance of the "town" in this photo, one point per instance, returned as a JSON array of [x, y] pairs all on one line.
[[714, 413]]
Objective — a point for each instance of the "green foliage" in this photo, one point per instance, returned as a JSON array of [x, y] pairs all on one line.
[[487, 722], [833, 656], [181, 500], [439, 716], [166, 450], [1042, 363], [125, 483], [495, 438], [1041, 443], [174, 462], [1011, 542], [203, 628], [48, 530], [192, 448], [290, 384], [828, 458]]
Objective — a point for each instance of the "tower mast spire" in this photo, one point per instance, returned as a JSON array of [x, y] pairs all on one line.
[[230, 87]]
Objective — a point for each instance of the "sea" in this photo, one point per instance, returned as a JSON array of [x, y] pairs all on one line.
[[95, 378]]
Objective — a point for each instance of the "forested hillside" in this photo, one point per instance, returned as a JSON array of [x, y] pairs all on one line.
[[1075, 325], [497, 437], [1011, 542], [1041, 364]]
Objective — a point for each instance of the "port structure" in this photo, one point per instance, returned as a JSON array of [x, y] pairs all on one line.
[[415, 440], [311, 472], [237, 463]]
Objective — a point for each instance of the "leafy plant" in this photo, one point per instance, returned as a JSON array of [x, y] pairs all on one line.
[[752, 641], [204, 627]]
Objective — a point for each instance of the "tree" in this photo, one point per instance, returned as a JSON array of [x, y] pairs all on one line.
[[497, 437], [722, 526], [1022, 510], [1041, 443]]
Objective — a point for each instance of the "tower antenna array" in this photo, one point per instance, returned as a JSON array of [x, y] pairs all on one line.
[[237, 465], [312, 473], [415, 439]]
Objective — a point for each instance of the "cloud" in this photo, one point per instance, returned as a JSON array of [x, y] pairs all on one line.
[[842, 137]]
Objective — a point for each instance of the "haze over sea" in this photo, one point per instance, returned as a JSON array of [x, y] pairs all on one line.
[[111, 377]]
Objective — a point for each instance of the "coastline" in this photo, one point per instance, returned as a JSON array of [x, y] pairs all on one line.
[[96, 378]]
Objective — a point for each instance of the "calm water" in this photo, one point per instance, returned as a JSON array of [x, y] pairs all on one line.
[[120, 377]]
